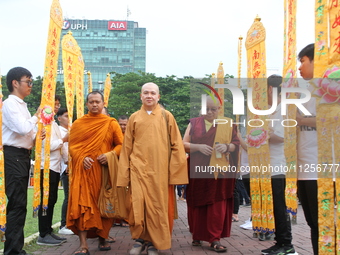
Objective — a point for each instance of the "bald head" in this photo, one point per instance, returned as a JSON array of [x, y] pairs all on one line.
[[150, 85], [150, 95]]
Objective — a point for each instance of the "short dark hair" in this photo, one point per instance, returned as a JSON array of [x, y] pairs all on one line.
[[57, 98], [275, 81], [307, 51], [123, 117], [106, 110], [61, 111], [15, 74], [95, 92]]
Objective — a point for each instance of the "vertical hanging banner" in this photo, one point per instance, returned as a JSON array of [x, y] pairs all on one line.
[[257, 137], [47, 105], [289, 80], [326, 89], [2, 177], [107, 90], [70, 59], [220, 80], [80, 84], [89, 82], [239, 55]]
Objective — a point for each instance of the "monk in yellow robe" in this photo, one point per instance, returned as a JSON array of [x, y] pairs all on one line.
[[152, 158], [92, 138]]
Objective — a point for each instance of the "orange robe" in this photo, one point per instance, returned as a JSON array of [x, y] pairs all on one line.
[[144, 164], [90, 136]]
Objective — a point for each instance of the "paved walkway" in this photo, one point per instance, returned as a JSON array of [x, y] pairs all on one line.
[[240, 242]]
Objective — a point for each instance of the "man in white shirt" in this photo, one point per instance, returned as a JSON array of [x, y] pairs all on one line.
[[18, 134], [46, 235], [283, 231], [62, 116], [307, 151]]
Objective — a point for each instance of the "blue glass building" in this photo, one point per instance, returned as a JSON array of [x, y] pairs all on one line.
[[107, 46]]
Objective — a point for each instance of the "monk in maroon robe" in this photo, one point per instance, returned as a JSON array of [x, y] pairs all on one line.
[[213, 165]]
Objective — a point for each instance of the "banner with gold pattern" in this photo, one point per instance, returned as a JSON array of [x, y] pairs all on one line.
[[220, 80], [289, 80], [80, 84], [2, 177], [89, 82], [107, 90], [257, 138], [326, 89], [47, 103]]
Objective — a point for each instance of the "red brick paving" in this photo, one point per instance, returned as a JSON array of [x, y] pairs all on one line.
[[240, 242]]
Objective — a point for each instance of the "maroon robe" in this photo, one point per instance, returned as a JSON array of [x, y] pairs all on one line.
[[210, 201]]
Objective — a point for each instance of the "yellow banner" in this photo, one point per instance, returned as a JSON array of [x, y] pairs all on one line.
[[80, 85], [47, 102], [89, 82], [220, 80], [257, 138], [2, 177], [289, 80], [107, 90], [327, 92]]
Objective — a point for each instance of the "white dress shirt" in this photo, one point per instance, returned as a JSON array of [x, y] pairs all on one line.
[[56, 144], [63, 132], [18, 127]]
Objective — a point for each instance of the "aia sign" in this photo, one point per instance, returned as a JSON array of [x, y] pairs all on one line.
[[117, 25]]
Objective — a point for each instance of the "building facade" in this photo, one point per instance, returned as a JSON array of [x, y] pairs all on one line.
[[107, 46]]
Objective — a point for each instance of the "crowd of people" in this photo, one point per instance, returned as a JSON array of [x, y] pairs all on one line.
[[150, 159]]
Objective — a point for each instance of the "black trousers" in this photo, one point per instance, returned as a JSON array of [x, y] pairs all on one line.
[[64, 180], [283, 228], [17, 166], [45, 221], [308, 196]]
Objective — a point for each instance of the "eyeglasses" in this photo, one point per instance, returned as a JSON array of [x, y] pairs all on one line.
[[29, 83], [212, 109]]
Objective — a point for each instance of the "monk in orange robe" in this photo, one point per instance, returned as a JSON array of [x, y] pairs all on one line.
[[92, 138], [152, 158]]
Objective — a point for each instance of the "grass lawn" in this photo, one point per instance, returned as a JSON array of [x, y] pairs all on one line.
[[31, 225]]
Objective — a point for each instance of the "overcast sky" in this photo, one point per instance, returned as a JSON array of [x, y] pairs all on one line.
[[183, 37]]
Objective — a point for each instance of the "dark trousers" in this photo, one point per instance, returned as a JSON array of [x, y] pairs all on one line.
[[242, 192], [17, 166], [283, 229], [308, 196], [45, 221], [246, 183], [64, 180], [236, 201]]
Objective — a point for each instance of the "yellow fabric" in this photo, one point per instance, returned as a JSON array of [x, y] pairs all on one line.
[[260, 183], [144, 166], [107, 90], [80, 84], [89, 82], [220, 80], [289, 80], [223, 135], [90, 136], [208, 125], [2, 177], [326, 64], [47, 99]]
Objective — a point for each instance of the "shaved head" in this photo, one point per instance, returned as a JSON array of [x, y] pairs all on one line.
[[150, 85]]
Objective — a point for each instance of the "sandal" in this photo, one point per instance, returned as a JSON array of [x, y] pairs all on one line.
[[82, 251], [218, 247], [196, 243], [123, 223], [104, 246], [233, 219], [111, 239]]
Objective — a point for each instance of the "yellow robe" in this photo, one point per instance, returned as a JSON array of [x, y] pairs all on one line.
[[144, 165], [90, 136]]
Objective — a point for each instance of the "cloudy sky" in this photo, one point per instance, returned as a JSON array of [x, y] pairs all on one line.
[[183, 37]]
